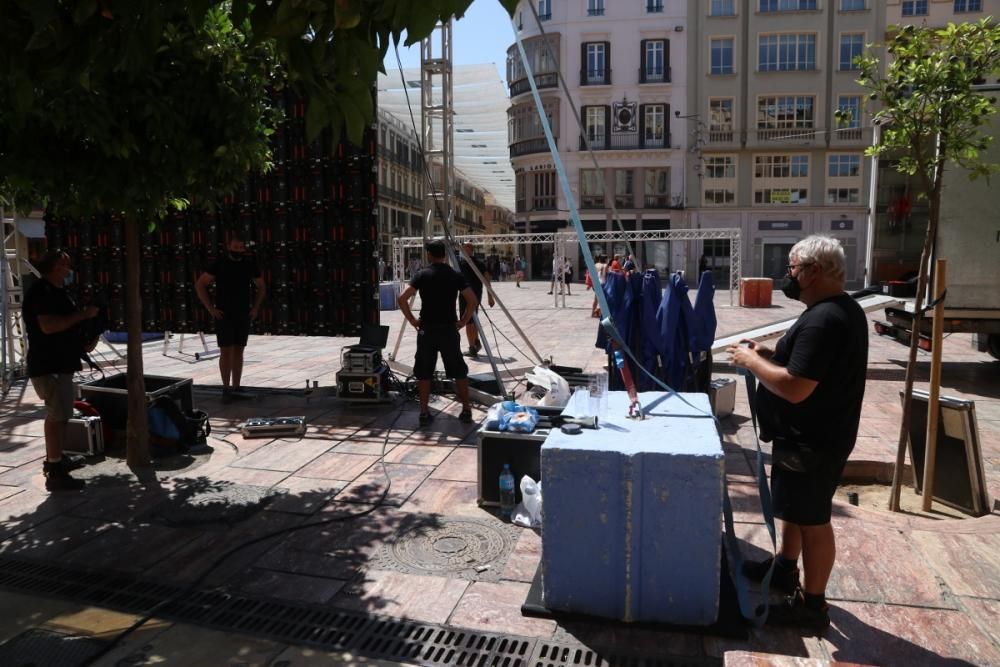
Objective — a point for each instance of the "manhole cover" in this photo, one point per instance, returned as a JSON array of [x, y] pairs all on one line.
[[464, 548], [36, 648]]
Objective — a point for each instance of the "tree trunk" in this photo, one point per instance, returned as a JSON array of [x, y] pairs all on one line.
[[911, 365], [137, 429]]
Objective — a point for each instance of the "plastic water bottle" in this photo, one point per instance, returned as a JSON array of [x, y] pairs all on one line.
[[506, 491]]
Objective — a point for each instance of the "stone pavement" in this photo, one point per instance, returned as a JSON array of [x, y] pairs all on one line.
[[909, 588]]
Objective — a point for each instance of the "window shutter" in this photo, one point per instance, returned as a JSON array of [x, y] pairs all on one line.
[[642, 123], [583, 62], [607, 126], [642, 60], [667, 142], [607, 62], [666, 60]]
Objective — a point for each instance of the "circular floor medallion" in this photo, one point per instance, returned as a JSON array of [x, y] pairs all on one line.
[[456, 547]]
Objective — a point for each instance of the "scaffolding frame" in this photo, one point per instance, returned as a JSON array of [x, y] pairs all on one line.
[[13, 338]]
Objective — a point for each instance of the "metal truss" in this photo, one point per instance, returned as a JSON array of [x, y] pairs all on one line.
[[733, 234], [13, 343]]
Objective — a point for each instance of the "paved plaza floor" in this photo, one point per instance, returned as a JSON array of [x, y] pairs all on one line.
[[913, 588]]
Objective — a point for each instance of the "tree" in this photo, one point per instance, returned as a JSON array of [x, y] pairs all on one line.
[[931, 117], [131, 109], [137, 106]]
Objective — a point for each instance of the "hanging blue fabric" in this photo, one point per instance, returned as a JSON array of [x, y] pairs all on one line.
[[704, 315], [649, 340], [675, 318], [615, 291]]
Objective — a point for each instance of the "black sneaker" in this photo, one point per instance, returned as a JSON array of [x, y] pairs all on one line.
[[65, 465], [426, 418], [783, 580], [793, 612], [465, 416], [60, 480]]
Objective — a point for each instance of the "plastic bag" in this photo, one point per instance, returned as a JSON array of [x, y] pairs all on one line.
[[528, 512], [556, 387], [523, 420]]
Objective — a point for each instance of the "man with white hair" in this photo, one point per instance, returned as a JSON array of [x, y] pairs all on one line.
[[809, 405]]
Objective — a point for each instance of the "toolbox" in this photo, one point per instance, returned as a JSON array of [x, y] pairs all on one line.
[[85, 435], [367, 386], [360, 359], [722, 396]]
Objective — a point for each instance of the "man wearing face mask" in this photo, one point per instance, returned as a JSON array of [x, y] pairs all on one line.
[[55, 341], [233, 274], [809, 405]]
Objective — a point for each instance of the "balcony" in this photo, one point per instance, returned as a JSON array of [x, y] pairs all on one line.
[[664, 201], [623, 142], [595, 77], [654, 7], [543, 204], [654, 74], [543, 80], [545, 17], [529, 146], [847, 134], [721, 136], [592, 202], [793, 136], [595, 11]]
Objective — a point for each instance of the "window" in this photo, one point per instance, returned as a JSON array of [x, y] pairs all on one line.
[[592, 188], [722, 8], [722, 55], [544, 198], [851, 46], [544, 10], [719, 180], [914, 7], [657, 188], [520, 196], [654, 61], [595, 7], [852, 5], [968, 6], [785, 112], [844, 166], [781, 179], [654, 6], [782, 53], [624, 188], [786, 5], [781, 166], [595, 64], [781, 196], [720, 119], [849, 107], [720, 167], [654, 125], [595, 123], [843, 195]]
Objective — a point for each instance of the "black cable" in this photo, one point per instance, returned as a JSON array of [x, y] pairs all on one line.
[[145, 618]]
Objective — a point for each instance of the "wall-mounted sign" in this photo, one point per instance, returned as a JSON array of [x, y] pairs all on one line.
[[842, 225], [779, 225], [623, 114]]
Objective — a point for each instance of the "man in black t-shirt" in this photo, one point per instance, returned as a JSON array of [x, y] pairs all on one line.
[[233, 274], [469, 256], [809, 405], [55, 344], [438, 327]]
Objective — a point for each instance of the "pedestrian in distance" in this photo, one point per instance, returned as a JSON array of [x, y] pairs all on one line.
[[809, 405], [438, 327], [56, 341], [568, 276], [521, 266], [558, 271], [235, 273]]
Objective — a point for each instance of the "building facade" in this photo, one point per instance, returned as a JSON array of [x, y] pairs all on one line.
[[617, 59], [770, 154], [400, 183]]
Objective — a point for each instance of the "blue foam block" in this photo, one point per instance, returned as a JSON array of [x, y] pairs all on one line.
[[633, 514]]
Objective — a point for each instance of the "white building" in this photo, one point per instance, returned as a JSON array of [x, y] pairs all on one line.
[[623, 63]]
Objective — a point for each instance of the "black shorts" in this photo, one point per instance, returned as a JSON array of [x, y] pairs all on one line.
[[461, 303], [806, 498], [232, 332], [443, 339]]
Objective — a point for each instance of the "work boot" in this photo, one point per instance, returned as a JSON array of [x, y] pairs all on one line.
[[465, 416], [795, 613], [783, 580], [425, 419], [57, 477]]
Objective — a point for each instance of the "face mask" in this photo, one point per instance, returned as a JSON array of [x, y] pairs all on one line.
[[791, 288]]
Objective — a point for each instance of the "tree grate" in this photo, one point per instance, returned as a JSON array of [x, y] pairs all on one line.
[[322, 627]]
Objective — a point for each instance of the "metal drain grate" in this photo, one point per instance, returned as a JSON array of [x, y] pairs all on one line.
[[331, 629], [42, 647]]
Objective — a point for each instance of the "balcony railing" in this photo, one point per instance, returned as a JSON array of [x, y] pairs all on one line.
[[847, 134], [529, 146], [592, 201], [544, 204], [545, 17], [596, 11], [654, 74], [543, 80], [654, 7], [625, 142], [790, 135], [721, 136], [595, 77]]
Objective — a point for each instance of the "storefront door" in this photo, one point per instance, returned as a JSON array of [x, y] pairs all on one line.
[[775, 260]]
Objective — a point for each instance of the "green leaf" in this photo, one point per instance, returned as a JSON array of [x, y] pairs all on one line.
[[84, 10]]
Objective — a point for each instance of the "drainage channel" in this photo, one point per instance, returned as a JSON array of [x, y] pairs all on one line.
[[331, 629]]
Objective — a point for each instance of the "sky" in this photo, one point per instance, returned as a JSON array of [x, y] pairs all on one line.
[[481, 36]]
